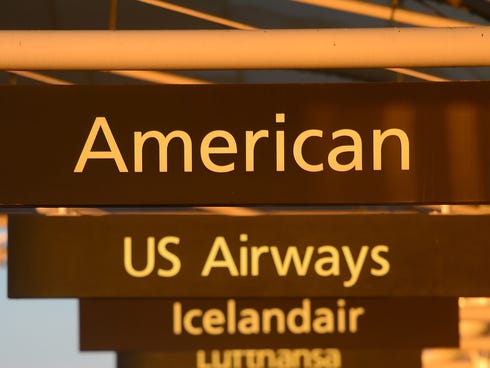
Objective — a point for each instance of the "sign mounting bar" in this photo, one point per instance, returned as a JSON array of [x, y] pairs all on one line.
[[249, 49]]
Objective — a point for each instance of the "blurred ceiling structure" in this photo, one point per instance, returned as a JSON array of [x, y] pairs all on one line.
[[241, 14], [268, 14]]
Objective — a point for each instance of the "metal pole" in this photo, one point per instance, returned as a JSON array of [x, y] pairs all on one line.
[[238, 49], [390, 13], [113, 15]]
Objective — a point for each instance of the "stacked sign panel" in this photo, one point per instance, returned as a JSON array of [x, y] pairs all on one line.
[[266, 285], [245, 144]]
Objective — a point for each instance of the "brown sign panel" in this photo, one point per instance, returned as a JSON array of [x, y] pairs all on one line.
[[315, 255], [188, 324], [274, 358], [299, 144]]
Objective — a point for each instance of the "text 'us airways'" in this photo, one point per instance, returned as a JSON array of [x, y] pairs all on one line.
[[236, 258]]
